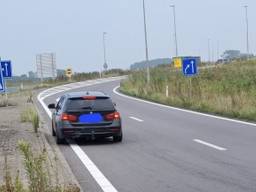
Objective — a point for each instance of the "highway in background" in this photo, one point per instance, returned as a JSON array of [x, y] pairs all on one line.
[[164, 149]]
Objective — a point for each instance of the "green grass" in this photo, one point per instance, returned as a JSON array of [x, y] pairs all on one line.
[[228, 90]]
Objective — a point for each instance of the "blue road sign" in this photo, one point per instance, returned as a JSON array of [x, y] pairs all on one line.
[[2, 87], [189, 66], [6, 69]]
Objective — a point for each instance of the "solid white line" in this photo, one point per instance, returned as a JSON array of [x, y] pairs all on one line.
[[102, 181], [183, 110], [210, 145], [136, 119]]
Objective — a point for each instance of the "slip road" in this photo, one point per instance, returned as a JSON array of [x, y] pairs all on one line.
[[164, 148]]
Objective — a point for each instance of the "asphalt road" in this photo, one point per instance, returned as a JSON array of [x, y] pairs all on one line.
[[167, 150]]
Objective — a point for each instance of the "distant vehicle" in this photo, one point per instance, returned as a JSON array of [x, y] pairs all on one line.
[[222, 61], [85, 114]]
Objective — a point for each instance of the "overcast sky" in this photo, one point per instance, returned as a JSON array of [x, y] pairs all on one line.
[[73, 30]]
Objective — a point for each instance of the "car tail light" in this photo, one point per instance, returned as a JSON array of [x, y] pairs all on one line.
[[67, 117], [112, 116], [89, 98]]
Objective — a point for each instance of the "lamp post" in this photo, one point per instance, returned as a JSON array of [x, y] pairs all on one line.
[[146, 42], [209, 51], [175, 30], [247, 30], [105, 66]]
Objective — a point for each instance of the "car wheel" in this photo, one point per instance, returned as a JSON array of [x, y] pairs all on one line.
[[118, 138], [59, 140], [53, 131]]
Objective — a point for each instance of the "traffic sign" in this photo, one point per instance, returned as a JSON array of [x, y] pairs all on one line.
[[177, 62], [105, 66], [2, 87], [6, 69], [69, 72], [190, 66]]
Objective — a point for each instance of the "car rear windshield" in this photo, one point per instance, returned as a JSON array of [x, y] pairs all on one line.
[[99, 104]]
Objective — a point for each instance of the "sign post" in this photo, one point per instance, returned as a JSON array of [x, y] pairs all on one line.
[[177, 61], [189, 69], [69, 73], [2, 87], [6, 72]]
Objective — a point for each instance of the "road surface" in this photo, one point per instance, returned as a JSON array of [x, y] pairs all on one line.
[[164, 150]]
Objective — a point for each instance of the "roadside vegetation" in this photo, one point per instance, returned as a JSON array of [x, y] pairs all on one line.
[[34, 84], [30, 115], [36, 172], [228, 90]]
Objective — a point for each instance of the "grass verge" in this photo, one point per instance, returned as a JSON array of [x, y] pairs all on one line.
[[228, 90]]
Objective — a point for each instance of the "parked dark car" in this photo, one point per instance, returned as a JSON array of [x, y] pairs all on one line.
[[85, 114]]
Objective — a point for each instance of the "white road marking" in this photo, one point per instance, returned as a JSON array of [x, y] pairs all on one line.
[[103, 182], [183, 110], [57, 100], [99, 177], [136, 119], [210, 145]]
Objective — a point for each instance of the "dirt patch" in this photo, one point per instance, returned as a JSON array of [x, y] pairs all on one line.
[[12, 130]]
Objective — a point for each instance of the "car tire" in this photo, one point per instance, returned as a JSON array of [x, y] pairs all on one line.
[[118, 138], [53, 131], [59, 140]]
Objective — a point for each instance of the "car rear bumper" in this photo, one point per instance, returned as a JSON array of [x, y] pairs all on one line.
[[91, 132]]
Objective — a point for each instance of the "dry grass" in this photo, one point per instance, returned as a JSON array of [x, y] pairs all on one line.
[[30, 115], [36, 172], [228, 90]]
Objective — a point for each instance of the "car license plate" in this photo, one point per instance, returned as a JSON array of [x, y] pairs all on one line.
[[90, 118]]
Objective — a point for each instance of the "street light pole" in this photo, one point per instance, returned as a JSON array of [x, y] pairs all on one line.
[[146, 42], [175, 30], [247, 30], [105, 65], [209, 51]]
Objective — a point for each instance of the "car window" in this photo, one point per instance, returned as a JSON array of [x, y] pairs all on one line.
[[60, 103], [100, 104]]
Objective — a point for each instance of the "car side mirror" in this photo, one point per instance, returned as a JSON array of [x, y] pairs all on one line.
[[51, 106]]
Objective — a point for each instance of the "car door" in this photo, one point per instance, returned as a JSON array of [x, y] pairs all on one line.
[[58, 111]]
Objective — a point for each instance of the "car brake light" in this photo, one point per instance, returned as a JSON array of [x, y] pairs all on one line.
[[67, 117], [89, 98], [112, 116]]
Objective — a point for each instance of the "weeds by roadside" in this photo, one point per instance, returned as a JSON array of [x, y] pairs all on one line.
[[10, 185], [30, 115], [228, 90], [36, 172]]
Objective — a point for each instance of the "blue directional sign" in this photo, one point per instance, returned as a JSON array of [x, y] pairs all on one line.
[[6, 69], [189, 66], [2, 88]]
